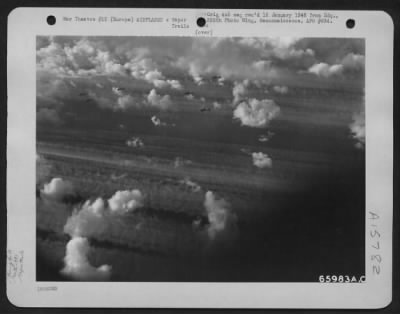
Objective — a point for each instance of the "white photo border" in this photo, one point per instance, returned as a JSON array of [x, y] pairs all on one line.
[[24, 24]]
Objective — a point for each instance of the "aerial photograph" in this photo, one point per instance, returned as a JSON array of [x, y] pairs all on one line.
[[196, 159]]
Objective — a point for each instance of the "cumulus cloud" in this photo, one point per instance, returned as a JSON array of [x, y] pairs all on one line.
[[117, 91], [134, 142], [197, 78], [95, 219], [256, 113], [88, 221], [217, 105], [156, 100], [125, 201], [281, 89], [156, 78], [220, 216], [193, 186], [357, 128], [239, 90], [153, 75], [124, 102], [261, 160], [354, 61], [326, 70], [157, 122], [189, 96], [175, 84], [57, 189], [77, 265], [83, 57]]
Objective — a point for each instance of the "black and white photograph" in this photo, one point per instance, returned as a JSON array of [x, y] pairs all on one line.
[[183, 159]]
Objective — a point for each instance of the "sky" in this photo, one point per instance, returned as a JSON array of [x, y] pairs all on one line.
[[233, 77]]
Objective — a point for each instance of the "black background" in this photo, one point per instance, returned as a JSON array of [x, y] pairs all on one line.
[[391, 7]]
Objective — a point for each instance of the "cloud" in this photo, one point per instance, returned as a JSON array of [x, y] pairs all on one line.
[[81, 57], [239, 90], [125, 201], [357, 128], [193, 186], [265, 137], [153, 75], [175, 84], [189, 96], [157, 122], [156, 78], [350, 64], [197, 78], [156, 100], [77, 265], [117, 91], [261, 65], [326, 70], [134, 142], [256, 113], [354, 61], [261, 160], [220, 216], [217, 105], [125, 102], [281, 89], [88, 221], [95, 219], [48, 115], [97, 207], [57, 189], [230, 58]]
